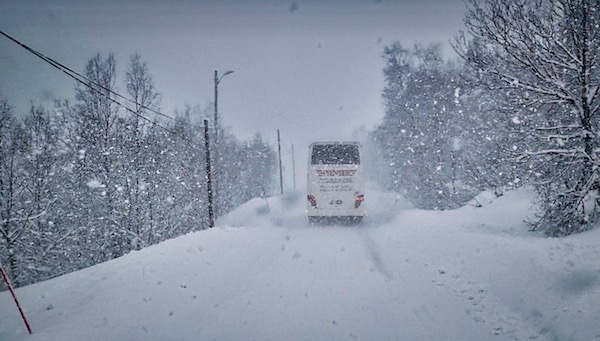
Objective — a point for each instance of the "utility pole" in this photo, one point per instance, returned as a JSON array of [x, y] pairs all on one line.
[[217, 80], [216, 127], [293, 168], [211, 217], [279, 152], [216, 119]]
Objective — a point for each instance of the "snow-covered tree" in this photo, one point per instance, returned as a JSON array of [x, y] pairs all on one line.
[[13, 212], [140, 88], [258, 169], [421, 134], [42, 243], [95, 118], [543, 57], [27, 173]]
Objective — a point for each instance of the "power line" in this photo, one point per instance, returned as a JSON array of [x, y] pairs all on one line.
[[77, 77], [74, 74]]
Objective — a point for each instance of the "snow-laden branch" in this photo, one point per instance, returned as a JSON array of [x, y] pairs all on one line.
[[135, 237], [561, 138], [569, 126], [29, 218], [63, 237], [564, 152]]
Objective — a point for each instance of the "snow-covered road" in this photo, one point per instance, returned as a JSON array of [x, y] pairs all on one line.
[[264, 274]]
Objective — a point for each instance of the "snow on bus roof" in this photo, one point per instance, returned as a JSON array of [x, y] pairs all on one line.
[[319, 143]]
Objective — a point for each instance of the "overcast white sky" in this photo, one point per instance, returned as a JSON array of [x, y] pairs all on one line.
[[311, 68]]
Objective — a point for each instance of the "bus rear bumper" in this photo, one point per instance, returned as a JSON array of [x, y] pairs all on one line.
[[335, 220], [322, 212]]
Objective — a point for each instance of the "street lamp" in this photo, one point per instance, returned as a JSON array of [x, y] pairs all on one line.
[[216, 126], [217, 81]]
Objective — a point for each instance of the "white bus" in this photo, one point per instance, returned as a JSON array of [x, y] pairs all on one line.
[[335, 184]]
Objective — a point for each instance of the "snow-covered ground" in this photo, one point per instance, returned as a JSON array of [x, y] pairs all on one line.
[[264, 274]]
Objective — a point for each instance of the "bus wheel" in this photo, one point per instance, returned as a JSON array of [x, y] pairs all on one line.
[[357, 220]]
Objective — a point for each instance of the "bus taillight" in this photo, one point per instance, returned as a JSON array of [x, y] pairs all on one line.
[[312, 200], [358, 200]]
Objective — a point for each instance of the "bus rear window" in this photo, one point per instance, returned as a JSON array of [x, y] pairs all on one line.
[[335, 154]]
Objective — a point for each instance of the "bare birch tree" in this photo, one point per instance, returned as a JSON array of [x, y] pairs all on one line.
[[140, 88], [13, 203]]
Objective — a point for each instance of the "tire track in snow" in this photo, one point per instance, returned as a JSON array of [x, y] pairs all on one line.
[[374, 254]]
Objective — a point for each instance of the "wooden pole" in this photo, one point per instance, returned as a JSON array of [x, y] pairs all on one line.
[[14, 296], [280, 171], [293, 168], [216, 163], [211, 216]]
